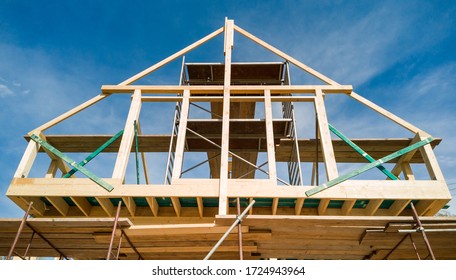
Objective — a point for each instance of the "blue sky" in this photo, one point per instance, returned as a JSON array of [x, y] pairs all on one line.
[[56, 54]]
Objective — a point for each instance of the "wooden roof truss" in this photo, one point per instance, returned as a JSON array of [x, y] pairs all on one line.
[[238, 146]]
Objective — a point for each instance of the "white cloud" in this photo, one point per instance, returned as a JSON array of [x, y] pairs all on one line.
[[5, 91]]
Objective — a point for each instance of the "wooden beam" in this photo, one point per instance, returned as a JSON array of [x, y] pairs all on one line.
[[283, 55], [298, 206], [172, 57], [430, 160], [348, 206], [384, 112], [69, 113], [127, 138], [53, 167], [373, 206], [223, 187], [153, 204], [27, 160], [151, 201], [323, 206], [397, 169], [176, 205], [283, 90], [181, 137], [107, 205], [130, 204], [199, 201], [59, 204], [270, 145], [261, 188], [398, 206], [424, 206], [83, 205], [407, 171], [325, 137], [326, 144]]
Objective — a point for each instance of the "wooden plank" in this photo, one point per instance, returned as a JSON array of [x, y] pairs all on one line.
[[325, 136], [59, 204], [176, 205], [172, 57], [424, 206], [82, 204], [384, 112], [350, 189], [283, 55], [398, 206], [397, 169], [69, 113], [430, 160], [270, 145], [348, 206], [38, 207], [53, 167], [199, 201], [153, 204], [298, 206], [326, 145], [127, 138], [181, 137], [373, 206], [223, 187], [190, 249], [407, 171], [130, 204], [107, 205], [27, 160], [323, 206], [284, 90]]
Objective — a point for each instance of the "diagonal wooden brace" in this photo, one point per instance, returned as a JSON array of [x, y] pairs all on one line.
[[369, 166], [71, 162]]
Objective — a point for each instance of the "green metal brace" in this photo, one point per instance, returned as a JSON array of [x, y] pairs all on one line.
[[71, 162], [94, 154], [361, 152], [136, 151], [369, 166]]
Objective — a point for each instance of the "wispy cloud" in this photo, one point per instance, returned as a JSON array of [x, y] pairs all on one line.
[[5, 91]]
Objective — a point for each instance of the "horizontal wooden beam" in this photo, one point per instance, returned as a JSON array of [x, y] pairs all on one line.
[[350, 189], [147, 89], [283, 98]]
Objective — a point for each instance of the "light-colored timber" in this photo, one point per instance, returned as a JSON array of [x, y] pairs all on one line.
[[235, 137]]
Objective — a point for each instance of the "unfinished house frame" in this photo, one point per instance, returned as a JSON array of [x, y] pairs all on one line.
[[297, 215]]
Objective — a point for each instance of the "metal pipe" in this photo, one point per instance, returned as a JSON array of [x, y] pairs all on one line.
[[414, 247], [21, 227], [238, 209], [206, 110], [427, 230], [199, 164], [420, 227], [29, 245], [118, 247], [236, 156], [317, 179], [116, 219], [236, 222], [395, 247], [131, 244], [47, 241]]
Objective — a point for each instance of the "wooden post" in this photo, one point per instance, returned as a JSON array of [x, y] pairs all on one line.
[[223, 187], [123, 155], [326, 145]]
